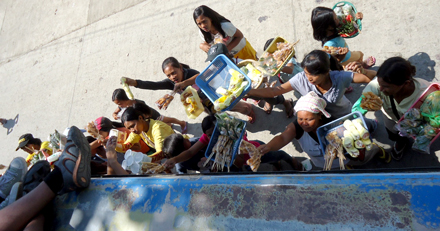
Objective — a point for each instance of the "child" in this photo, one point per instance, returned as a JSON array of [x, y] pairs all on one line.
[[179, 76], [212, 26], [33, 146], [176, 144], [121, 99], [325, 24]]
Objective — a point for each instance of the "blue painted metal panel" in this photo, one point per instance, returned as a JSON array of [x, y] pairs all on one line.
[[255, 202]]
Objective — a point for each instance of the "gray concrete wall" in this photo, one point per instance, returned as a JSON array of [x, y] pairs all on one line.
[[61, 60]]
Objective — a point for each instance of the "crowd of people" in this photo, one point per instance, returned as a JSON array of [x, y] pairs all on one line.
[[320, 78]]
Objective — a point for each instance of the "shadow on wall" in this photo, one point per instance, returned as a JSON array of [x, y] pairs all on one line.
[[424, 66], [9, 124]]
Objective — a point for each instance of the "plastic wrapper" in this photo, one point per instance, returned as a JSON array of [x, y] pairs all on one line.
[[412, 123], [165, 101], [430, 109]]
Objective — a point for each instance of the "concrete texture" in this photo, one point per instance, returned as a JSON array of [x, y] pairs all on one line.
[[61, 60]]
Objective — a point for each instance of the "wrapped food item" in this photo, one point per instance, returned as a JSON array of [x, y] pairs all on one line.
[[165, 101], [422, 142], [363, 132], [192, 103], [350, 126], [348, 140], [93, 131], [338, 52], [371, 102], [411, 124], [430, 109], [254, 153], [126, 88], [152, 168]]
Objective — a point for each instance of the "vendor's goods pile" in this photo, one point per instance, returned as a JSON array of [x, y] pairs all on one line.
[[270, 62], [422, 124], [347, 20], [230, 130], [355, 137], [237, 84]]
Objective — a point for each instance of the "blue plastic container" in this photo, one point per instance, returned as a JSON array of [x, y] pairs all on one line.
[[217, 75], [235, 146], [338, 126]]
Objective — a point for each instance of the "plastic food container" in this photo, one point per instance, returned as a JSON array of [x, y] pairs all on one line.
[[217, 75], [273, 47], [431, 88], [200, 107], [336, 125], [235, 146]]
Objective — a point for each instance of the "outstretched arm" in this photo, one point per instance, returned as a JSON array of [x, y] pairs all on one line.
[[279, 141], [271, 92]]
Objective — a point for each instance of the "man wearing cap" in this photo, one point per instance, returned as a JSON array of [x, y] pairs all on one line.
[[37, 150]]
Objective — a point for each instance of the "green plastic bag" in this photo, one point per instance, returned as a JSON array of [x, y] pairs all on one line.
[[430, 109], [357, 106]]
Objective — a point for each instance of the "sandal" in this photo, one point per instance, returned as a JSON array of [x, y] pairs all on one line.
[[289, 109], [268, 108], [385, 157], [369, 62], [185, 129], [398, 154]]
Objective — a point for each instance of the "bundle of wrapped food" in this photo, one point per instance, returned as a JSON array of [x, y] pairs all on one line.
[[254, 74], [93, 131], [332, 150], [255, 154], [191, 101], [229, 130], [270, 62], [353, 138], [422, 124], [338, 52], [237, 84], [126, 88], [152, 168], [165, 101], [371, 102]]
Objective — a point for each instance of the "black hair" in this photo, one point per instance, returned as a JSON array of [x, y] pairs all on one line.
[[268, 42], [143, 108], [119, 94], [130, 114], [322, 19], [216, 20], [35, 141], [174, 63], [208, 122], [173, 145], [396, 70], [319, 62], [117, 124]]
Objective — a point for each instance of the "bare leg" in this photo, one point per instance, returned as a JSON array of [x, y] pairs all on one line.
[[36, 224], [17, 215]]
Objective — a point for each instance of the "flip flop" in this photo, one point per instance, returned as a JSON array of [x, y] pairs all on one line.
[[185, 129], [398, 154], [371, 60], [268, 108]]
